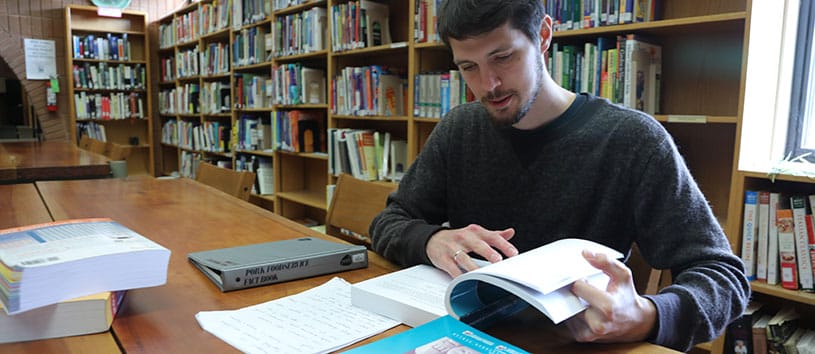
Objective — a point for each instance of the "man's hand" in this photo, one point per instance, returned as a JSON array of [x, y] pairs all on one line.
[[617, 314], [448, 249]]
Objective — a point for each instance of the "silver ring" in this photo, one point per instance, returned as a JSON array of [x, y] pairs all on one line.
[[455, 255]]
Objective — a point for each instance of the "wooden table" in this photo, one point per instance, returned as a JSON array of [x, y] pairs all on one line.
[[185, 217], [30, 161], [25, 208]]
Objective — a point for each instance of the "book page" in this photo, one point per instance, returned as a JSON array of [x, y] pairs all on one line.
[[549, 267], [318, 320]]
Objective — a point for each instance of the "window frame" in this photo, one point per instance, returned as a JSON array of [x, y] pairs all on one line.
[[802, 81]]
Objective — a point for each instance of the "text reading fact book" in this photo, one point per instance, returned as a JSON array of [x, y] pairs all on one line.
[[44, 264], [442, 335], [538, 278], [274, 262], [83, 315]]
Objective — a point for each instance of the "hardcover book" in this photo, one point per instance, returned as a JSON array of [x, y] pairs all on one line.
[[442, 335], [44, 264], [279, 261]]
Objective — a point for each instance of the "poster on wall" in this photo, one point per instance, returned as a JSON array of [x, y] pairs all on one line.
[[40, 59]]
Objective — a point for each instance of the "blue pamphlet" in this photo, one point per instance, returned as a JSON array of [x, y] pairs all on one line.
[[442, 335]]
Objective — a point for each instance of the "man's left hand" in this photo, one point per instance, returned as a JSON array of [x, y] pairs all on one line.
[[616, 314]]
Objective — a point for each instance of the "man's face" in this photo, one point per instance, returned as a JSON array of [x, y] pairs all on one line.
[[504, 69]]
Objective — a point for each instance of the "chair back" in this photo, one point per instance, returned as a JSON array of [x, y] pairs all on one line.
[[85, 142], [235, 183], [647, 280], [353, 206]]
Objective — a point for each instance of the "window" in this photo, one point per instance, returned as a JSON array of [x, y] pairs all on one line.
[[801, 131]]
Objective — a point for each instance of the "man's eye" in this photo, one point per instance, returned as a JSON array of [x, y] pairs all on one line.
[[467, 67], [503, 57]]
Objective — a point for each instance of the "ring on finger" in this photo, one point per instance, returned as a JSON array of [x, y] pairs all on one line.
[[458, 253]]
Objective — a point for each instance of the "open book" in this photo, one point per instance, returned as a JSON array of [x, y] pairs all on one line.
[[540, 278]]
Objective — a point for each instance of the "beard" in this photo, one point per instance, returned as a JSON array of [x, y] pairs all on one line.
[[511, 118]]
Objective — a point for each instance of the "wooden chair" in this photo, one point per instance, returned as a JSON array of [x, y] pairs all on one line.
[[85, 143], [647, 280], [353, 206], [118, 152], [236, 183], [98, 146]]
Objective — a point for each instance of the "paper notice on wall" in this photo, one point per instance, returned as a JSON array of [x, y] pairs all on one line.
[[40, 59]]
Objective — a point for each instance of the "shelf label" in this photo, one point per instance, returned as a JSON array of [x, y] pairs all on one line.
[[109, 12], [686, 118]]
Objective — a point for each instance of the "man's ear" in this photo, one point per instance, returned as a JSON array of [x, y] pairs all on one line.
[[546, 33]]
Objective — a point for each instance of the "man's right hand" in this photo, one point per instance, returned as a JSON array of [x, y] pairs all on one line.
[[448, 249]]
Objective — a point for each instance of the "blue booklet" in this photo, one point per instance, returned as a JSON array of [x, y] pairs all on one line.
[[442, 335]]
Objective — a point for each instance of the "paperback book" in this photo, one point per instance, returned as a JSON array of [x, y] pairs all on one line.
[[491, 292], [44, 264], [442, 335]]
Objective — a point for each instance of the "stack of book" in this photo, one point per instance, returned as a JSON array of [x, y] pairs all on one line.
[[68, 277]]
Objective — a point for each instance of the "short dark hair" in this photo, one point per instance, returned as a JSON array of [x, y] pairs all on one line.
[[462, 19]]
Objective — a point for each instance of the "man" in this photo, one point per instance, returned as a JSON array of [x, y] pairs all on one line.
[[532, 163]]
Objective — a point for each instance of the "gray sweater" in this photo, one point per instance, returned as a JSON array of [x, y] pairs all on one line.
[[600, 172]]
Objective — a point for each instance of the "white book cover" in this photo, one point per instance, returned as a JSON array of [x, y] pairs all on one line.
[[772, 242], [763, 234], [799, 209], [748, 236]]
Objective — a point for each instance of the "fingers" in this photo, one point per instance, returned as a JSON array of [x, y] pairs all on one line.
[[619, 273], [450, 250]]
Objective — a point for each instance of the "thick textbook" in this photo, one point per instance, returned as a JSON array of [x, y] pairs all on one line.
[[83, 315], [47, 263], [538, 278], [442, 335], [274, 262]]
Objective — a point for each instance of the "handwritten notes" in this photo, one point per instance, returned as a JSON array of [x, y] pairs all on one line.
[[318, 320]]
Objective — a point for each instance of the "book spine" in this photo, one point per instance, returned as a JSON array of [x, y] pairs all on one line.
[[748, 241], [801, 242], [293, 269], [772, 242], [763, 234]]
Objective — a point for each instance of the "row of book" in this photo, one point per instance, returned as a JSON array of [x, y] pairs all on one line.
[[109, 47], [211, 136], [253, 91], [359, 24], [249, 47], [208, 18], [186, 63], [582, 14], [283, 4], [425, 25], [167, 68], [299, 33], [626, 70], [180, 100], [778, 239], [366, 154], [118, 105], [294, 131], [188, 163], [109, 77], [438, 92], [293, 84], [263, 167], [215, 59], [91, 129], [215, 97], [761, 330], [368, 91], [247, 12]]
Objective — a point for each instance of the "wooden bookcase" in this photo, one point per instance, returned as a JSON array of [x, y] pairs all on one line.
[[136, 132], [704, 46]]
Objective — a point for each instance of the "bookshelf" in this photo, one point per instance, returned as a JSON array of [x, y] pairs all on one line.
[[108, 81]]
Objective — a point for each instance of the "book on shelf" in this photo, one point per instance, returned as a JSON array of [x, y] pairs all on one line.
[[799, 212], [43, 264], [313, 86], [442, 335], [491, 292], [739, 333], [267, 263], [82, 315], [763, 235], [786, 249], [748, 237], [760, 333], [780, 328], [265, 176], [398, 159], [377, 24], [772, 242]]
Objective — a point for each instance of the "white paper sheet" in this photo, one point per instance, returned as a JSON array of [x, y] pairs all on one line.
[[318, 320]]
